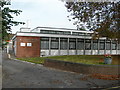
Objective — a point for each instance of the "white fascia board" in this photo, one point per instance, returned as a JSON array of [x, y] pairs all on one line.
[[51, 35], [67, 30], [63, 29], [52, 28], [102, 38], [84, 31]]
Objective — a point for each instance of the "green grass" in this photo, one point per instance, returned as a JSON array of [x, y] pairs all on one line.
[[86, 59], [37, 60]]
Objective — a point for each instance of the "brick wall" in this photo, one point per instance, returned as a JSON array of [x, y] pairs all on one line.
[[28, 51], [83, 68]]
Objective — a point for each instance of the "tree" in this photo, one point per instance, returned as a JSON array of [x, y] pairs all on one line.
[[101, 17], [6, 19]]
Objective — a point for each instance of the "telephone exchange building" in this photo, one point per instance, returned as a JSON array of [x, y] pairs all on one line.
[[48, 41]]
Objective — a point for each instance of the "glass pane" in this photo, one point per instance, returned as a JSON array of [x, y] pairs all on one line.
[[95, 45], [54, 43], [45, 38], [63, 43], [80, 45], [72, 43], [44, 31], [81, 34], [75, 33], [87, 44], [113, 46], [102, 46], [44, 44], [67, 33], [107, 46]]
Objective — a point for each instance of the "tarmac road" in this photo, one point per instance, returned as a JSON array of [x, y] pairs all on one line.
[[17, 74]]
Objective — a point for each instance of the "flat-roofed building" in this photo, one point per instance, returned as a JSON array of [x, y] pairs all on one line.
[[48, 41]]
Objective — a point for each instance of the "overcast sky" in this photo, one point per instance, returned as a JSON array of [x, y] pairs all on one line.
[[49, 13]]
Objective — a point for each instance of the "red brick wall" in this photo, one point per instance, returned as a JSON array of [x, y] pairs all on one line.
[[28, 51]]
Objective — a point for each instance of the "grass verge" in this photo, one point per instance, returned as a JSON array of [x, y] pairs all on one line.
[[86, 59]]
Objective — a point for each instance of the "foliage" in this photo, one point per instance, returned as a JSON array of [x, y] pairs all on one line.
[[7, 19], [101, 17]]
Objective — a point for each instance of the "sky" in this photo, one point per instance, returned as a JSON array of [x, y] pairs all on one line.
[[44, 13]]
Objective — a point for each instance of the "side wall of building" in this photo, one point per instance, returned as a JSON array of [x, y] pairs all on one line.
[[27, 46]]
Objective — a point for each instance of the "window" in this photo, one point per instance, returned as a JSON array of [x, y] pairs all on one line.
[[66, 33], [52, 32], [72, 44], [81, 34], [95, 45], [80, 44], [63, 43], [102, 45], [88, 34], [29, 44], [22, 44], [44, 31], [74, 33], [59, 32], [108, 46], [44, 43], [114, 46], [54, 43], [87, 44]]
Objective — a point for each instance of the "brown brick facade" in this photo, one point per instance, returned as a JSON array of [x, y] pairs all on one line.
[[83, 68], [28, 51]]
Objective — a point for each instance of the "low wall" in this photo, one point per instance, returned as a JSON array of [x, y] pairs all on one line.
[[83, 68]]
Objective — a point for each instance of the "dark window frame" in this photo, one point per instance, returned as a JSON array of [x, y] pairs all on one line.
[[88, 42], [47, 42], [63, 40], [80, 44], [53, 41], [71, 42]]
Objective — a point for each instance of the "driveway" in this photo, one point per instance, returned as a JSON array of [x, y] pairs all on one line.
[[18, 74]]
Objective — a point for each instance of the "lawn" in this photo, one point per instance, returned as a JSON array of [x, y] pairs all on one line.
[[86, 59]]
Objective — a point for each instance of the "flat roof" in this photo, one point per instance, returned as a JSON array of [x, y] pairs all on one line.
[[60, 29], [38, 34], [33, 34]]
